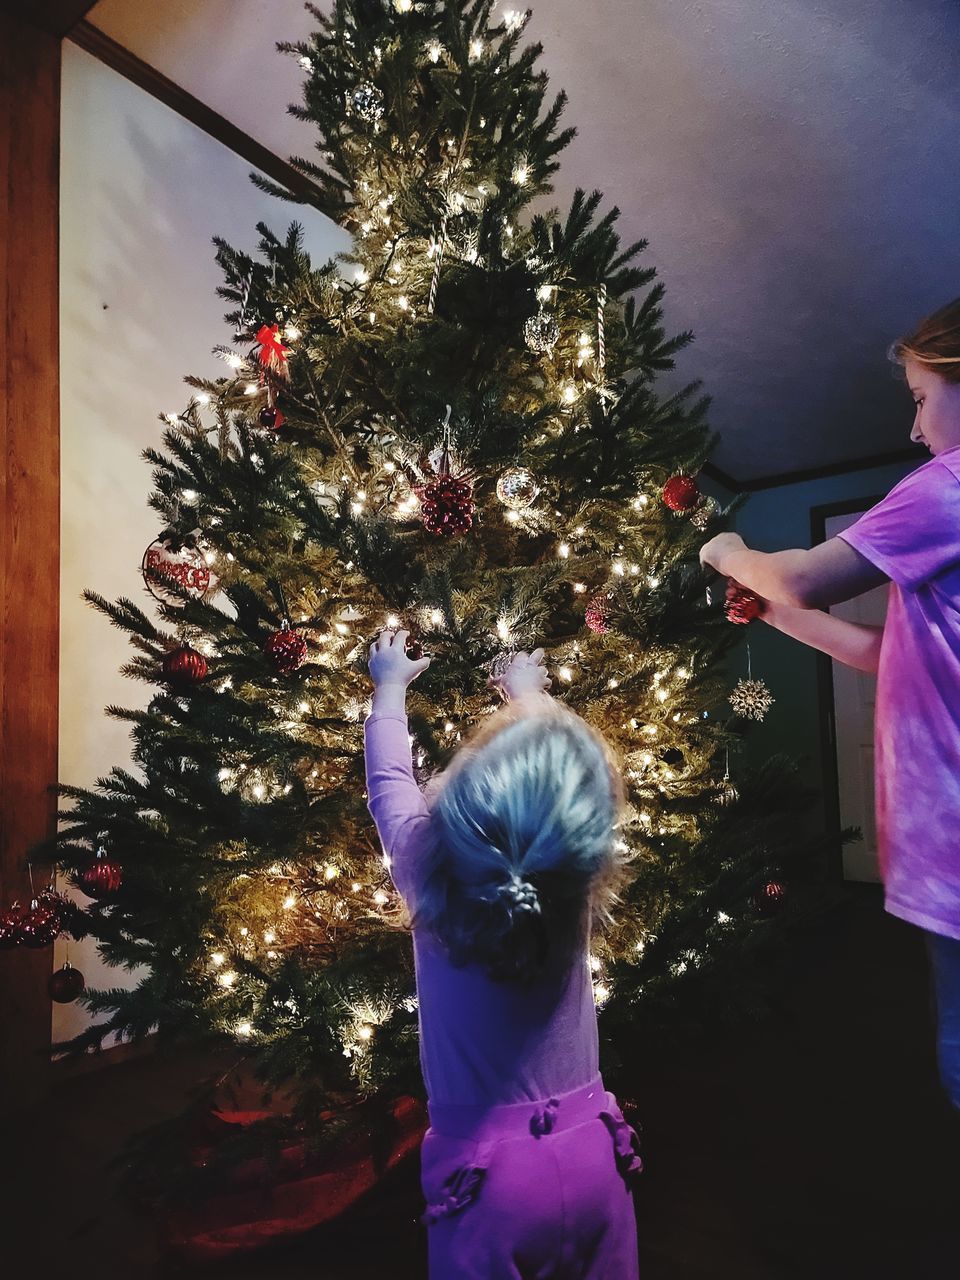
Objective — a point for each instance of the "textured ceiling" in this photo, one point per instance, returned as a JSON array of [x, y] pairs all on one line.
[[795, 166]]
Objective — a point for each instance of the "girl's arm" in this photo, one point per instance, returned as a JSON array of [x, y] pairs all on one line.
[[851, 643], [393, 797], [814, 579]]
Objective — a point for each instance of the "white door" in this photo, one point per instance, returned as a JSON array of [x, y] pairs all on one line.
[[854, 696]]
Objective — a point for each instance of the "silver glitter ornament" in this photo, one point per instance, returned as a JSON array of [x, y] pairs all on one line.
[[517, 488], [366, 101], [541, 332], [727, 793], [704, 514], [751, 699]]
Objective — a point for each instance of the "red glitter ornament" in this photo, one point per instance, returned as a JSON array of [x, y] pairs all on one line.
[[742, 606], [769, 898], [39, 926], [681, 493], [66, 984], [10, 922], [102, 877], [596, 615], [184, 665], [286, 649], [56, 902]]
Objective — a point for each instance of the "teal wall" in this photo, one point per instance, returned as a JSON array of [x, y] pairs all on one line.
[[772, 520]]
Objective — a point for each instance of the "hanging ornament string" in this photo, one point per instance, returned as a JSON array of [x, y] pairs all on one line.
[[437, 263], [444, 467]]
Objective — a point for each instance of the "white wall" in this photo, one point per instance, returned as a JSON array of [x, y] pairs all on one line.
[[142, 192]]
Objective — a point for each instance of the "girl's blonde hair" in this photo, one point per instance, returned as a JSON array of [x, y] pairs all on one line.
[[935, 342], [525, 850]]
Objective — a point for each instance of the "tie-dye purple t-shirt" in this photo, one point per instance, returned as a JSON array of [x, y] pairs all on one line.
[[913, 536]]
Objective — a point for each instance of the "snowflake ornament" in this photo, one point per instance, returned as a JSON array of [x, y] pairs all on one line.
[[751, 699]]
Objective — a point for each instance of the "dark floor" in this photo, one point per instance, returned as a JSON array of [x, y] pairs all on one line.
[[815, 1146]]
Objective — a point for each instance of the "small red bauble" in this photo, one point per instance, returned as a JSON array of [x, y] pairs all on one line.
[[271, 418], [102, 877], [184, 665], [770, 898], [742, 606], [39, 926], [66, 984], [286, 649], [596, 615], [681, 493], [446, 506], [10, 922]]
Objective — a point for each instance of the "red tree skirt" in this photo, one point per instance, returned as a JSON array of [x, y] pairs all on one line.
[[260, 1206]]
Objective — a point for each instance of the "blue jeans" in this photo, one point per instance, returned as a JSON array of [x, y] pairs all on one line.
[[945, 962]]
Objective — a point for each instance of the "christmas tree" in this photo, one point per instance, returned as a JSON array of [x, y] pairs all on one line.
[[456, 428]]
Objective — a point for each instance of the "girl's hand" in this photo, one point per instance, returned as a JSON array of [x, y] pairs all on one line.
[[715, 552], [525, 674], [389, 663]]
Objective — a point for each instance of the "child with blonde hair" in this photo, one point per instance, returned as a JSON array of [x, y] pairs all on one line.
[[505, 864], [910, 539]]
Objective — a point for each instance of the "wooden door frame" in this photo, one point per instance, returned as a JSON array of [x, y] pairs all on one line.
[[29, 520]]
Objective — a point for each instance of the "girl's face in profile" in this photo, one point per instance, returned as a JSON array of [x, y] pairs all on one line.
[[937, 421]]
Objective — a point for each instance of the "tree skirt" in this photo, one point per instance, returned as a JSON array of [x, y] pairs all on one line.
[[261, 1204]]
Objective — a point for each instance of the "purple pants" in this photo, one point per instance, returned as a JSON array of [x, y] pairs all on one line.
[[532, 1191]]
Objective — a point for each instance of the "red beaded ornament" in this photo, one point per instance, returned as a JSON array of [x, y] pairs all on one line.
[[770, 898], [596, 615], [66, 984], [446, 503], [286, 649], [742, 606], [681, 493], [184, 665], [102, 877]]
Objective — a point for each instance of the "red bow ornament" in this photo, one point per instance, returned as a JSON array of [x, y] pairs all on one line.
[[272, 354]]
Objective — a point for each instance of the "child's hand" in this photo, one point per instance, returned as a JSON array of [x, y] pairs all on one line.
[[525, 674], [389, 663]]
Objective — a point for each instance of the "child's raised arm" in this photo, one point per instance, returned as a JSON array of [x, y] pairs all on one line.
[[393, 797]]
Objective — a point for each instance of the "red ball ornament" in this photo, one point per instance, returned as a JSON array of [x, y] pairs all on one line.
[[39, 926], [769, 898], [681, 493], [184, 665], [66, 984], [286, 649], [102, 877], [596, 615], [10, 922], [446, 506], [271, 418], [742, 606]]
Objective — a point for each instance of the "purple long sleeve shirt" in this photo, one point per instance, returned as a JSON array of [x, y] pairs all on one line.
[[482, 1043]]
